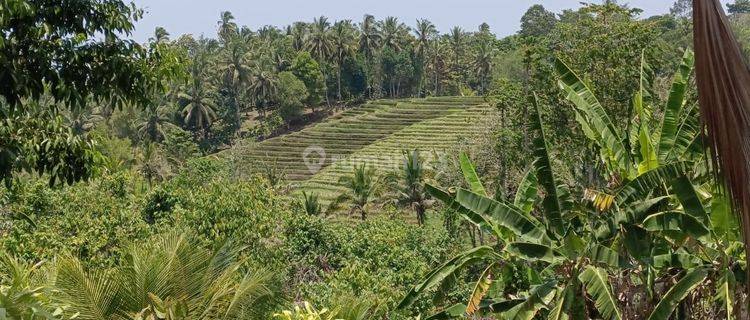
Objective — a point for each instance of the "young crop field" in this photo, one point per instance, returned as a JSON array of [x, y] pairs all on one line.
[[376, 133]]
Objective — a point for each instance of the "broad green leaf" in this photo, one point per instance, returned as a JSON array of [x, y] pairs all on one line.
[[598, 121], [676, 260], [454, 312], [470, 175], [683, 188], [725, 292], [449, 268], [641, 187], [562, 304], [642, 106], [677, 293], [527, 192], [473, 217], [532, 251], [504, 215], [553, 203], [480, 290], [675, 222], [604, 255], [539, 297], [723, 219], [596, 281], [674, 109]]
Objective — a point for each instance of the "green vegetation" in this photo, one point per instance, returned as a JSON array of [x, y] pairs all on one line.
[[340, 170]]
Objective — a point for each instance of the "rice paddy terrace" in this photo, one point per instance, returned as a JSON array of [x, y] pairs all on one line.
[[376, 133]]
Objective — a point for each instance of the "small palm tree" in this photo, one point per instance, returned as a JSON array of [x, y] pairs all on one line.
[[312, 206], [407, 185], [21, 295], [263, 86], [172, 276], [361, 188], [227, 26], [195, 98], [153, 121]]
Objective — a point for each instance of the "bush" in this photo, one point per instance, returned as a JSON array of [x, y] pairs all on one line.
[[292, 93]]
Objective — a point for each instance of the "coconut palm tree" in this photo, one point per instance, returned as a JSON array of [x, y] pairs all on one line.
[[153, 121], [407, 185], [263, 86], [369, 42], [160, 36], [198, 105], [343, 39], [369, 36], [425, 32], [483, 63], [362, 186], [227, 26], [393, 33], [457, 39], [318, 40], [298, 32], [170, 277]]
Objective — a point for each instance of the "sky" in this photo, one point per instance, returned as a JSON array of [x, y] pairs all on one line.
[[200, 17]]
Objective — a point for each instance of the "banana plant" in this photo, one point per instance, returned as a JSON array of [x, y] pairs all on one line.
[[573, 250], [628, 154]]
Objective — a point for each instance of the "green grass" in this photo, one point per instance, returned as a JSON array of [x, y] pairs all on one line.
[[376, 133]]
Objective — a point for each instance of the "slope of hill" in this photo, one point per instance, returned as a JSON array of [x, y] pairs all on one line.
[[377, 134]]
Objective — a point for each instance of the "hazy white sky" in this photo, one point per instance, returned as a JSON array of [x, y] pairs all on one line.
[[503, 16]]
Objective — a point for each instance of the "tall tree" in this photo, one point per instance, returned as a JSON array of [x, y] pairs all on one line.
[[537, 21], [425, 32], [343, 39], [369, 42], [73, 54], [318, 40], [393, 32], [739, 7], [227, 26]]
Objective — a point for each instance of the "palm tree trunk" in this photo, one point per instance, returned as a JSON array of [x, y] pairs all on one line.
[[338, 79]]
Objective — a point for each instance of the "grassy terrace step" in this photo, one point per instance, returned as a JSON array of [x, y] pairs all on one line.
[[375, 133]]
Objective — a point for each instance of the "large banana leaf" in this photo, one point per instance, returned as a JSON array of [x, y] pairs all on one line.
[[683, 188], [538, 298], [470, 175], [480, 290], [675, 223], [596, 281], [642, 186], [675, 260], [725, 292], [596, 119], [553, 203], [447, 269], [532, 251], [467, 214], [526, 195], [674, 109], [688, 137], [560, 311], [679, 291], [723, 219], [504, 215], [642, 107]]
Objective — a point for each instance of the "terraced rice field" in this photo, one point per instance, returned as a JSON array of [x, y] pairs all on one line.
[[376, 133]]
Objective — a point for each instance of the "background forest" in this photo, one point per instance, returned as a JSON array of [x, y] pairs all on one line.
[[587, 196]]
